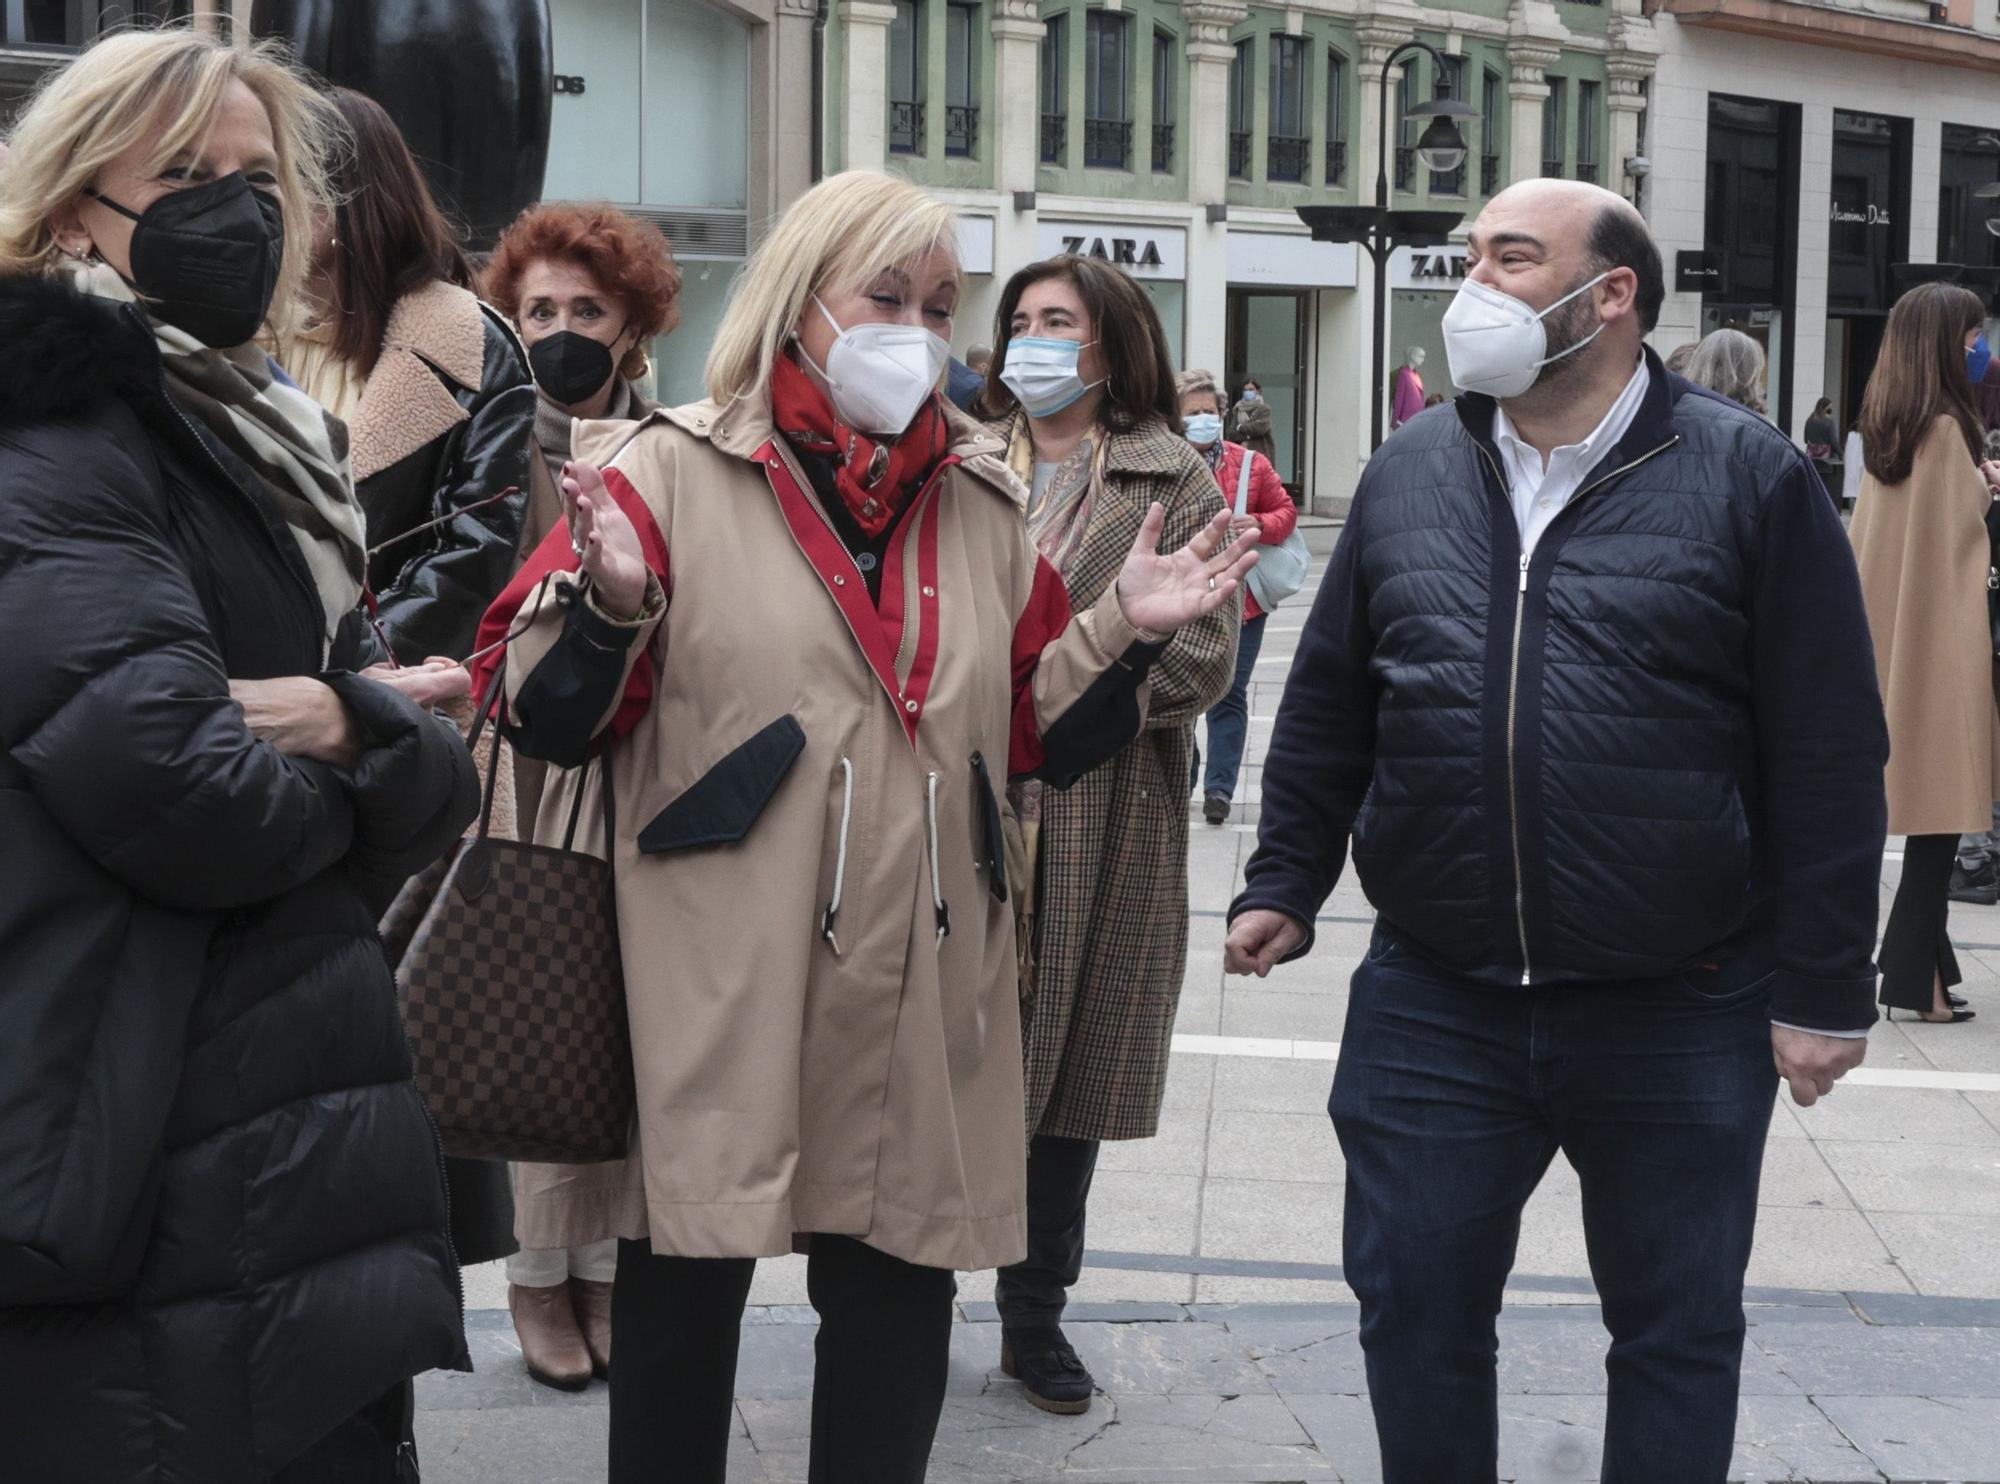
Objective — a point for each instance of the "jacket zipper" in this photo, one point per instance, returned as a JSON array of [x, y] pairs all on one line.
[[1514, 698]]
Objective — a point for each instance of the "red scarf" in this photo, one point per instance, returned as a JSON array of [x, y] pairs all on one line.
[[876, 480]]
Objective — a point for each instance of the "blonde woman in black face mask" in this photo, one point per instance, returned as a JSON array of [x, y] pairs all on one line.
[[222, 1213]]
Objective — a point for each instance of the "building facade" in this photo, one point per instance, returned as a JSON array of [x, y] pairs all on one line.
[[1810, 161], [1178, 137]]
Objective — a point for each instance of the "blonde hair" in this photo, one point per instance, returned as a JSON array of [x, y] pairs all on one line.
[[1730, 362], [160, 89], [836, 238]]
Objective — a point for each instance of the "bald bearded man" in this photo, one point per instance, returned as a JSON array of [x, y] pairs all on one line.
[[1590, 688]]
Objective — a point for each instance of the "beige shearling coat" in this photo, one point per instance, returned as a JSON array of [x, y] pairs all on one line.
[[1923, 553], [814, 1051]]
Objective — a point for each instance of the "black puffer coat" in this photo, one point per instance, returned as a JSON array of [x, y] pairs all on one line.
[[1656, 738], [222, 1212]]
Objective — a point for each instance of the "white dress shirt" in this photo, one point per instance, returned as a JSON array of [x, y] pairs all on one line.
[[1540, 489]]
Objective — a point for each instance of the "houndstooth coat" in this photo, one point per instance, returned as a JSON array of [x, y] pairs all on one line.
[[1111, 901]]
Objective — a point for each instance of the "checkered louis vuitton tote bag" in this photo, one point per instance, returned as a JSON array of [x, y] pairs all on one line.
[[513, 992]]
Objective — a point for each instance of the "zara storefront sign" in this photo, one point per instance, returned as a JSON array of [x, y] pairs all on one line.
[[1434, 269], [1142, 251]]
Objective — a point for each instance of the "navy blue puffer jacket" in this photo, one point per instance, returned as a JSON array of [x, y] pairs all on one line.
[[1624, 757]]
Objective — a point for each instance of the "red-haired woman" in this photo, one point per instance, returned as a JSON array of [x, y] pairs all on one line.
[[589, 288]]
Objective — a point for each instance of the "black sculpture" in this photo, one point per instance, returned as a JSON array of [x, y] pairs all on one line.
[[469, 82]]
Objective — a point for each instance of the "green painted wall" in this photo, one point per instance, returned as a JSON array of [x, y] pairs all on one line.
[[1140, 182]]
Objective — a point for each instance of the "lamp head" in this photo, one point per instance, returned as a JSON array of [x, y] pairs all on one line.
[[1441, 147]]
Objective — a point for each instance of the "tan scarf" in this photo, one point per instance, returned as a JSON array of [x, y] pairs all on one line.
[[1059, 517]]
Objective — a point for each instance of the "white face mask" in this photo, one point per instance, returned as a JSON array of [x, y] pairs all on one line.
[[1203, 428], [1498, 345], [1043, 373], [879, 375]]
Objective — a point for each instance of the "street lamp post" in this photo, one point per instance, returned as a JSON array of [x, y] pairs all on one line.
[[1381, 230]]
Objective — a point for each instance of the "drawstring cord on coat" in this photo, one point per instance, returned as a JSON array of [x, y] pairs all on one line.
[[840, 860]]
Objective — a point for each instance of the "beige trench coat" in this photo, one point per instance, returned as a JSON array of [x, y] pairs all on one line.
[[866, 1081], [1923, 553]]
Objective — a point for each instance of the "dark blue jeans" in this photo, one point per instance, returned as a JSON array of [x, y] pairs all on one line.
[[1452, 1098], [1229, 718]]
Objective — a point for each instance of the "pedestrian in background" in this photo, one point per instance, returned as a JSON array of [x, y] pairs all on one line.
[[980, 359], [1274, 517], [1083, 390], [222, 1235], [1923, 535], [1677, 360], [1250, 422], [589, 288], [434, 389], [1821, 434], [1587, 686], [801, 632], [1731, 363]]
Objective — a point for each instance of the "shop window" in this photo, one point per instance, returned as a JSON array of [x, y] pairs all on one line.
[[1166, 80], [1450, 84], [1492, 101], [1107, 113], [961, 78], [1239, 109], [906, 79], [1336, 118], [1968, 163], [1554, 125], [73, 23], [1055, 90], [1587, 93], [1406, 127], [1288, 149]]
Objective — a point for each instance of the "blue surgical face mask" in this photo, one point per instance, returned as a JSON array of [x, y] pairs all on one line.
[[1042, 372], [1977, 358], [1251, 394], [1203, 428]]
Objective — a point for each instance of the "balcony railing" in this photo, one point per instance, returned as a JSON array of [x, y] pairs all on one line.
[[1239, 154], [1336, 161], [1586, 170], [1553, 169], [1107, 143], [961, 129], [1287, 157], [1163, 148], [1406, 166], [906, 128], [1055, 138], [1489, 174]]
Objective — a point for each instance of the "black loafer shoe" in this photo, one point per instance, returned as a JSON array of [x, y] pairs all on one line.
[[1215, 809], [1979, 886], [1047, 1368]]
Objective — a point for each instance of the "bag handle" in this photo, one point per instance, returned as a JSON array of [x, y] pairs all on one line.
[[486, 709], [1243, 483]]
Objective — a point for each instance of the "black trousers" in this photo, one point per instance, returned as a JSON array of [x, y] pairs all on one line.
[[878, 1383], [1031, 1294], [1916, 950]]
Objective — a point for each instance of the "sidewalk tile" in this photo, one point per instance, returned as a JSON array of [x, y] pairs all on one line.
[[1917, 1115], [1270, 1221], [1957, 1181], [1215, 1288], [1789, 1438], [1168, 1359], [1132, 1212], [1957, 1256], [1268, 1085], [1281, 1014], [1201, 1440], [1872, 1360], [1795, 1174], [1915, 1441], [1297, 1146], [1801, 1247]]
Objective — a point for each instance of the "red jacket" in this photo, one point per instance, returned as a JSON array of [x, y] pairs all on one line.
[[1273, 508]]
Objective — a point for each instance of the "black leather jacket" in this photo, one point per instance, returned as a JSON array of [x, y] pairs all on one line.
[[434, 585]]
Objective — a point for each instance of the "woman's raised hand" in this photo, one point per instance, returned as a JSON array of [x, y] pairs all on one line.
[[607, 547], [1161, 593]]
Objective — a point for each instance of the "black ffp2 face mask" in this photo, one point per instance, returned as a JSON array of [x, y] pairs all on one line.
[[571, 368], [206, 258]]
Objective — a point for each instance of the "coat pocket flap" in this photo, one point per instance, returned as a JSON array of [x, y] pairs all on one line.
[[720, 807]]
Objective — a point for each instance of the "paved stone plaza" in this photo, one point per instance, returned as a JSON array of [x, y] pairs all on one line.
[[1214, 1314]]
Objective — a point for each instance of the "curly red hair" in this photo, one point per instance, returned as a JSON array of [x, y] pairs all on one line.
[[629, 258]]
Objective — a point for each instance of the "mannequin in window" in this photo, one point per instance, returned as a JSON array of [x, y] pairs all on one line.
[[1407, 395]]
